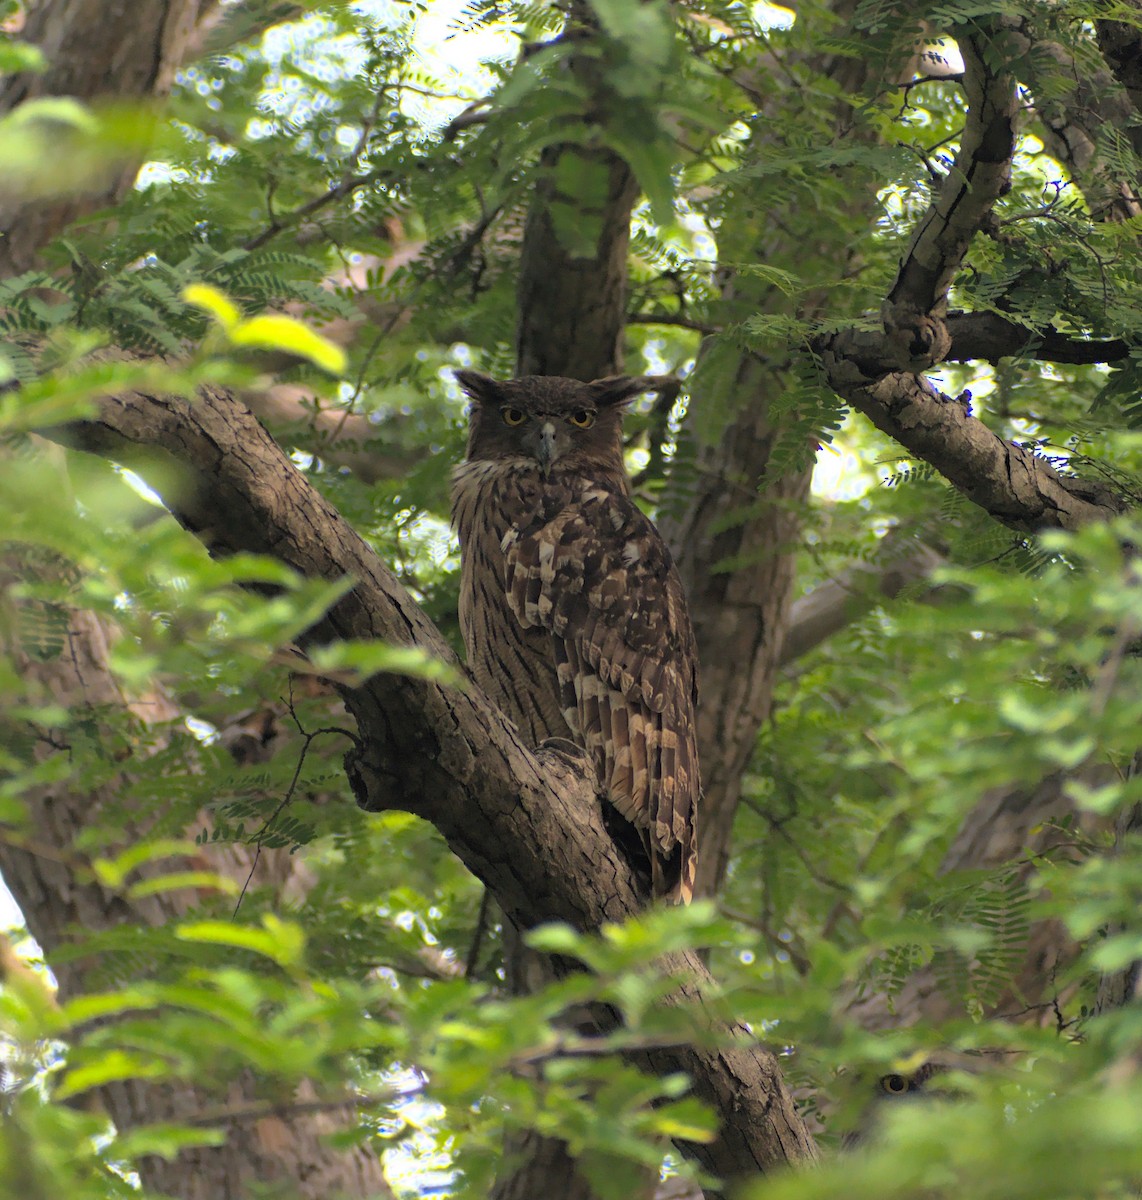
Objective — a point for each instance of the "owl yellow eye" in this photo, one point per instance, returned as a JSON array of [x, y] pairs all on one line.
[[895, 1085], [583, 418], [513, 416]]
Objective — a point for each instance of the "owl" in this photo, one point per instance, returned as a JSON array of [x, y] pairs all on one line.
[[927, 1081], [571, 607]]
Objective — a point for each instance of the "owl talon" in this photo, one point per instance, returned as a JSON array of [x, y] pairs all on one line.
[[565, 748]]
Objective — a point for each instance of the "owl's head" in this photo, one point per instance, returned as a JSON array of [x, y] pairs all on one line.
[[552, 420]]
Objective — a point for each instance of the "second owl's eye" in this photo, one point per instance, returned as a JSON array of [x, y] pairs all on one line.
[[512, 416], [582, 418], [895, 1085]]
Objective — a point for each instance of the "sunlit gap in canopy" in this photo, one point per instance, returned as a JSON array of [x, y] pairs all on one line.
[[772, 16], [449, 56], [140, 486]]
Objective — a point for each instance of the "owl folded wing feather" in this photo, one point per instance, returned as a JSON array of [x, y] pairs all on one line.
[[598, 576]]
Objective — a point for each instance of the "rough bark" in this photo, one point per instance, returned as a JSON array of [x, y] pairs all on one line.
[[979, 175], [1010, 482], [120, 50], [528, 824]]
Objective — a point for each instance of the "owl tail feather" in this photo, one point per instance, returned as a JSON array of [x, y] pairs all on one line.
[[672, 876]]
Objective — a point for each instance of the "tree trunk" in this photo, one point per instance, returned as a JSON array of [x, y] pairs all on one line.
[[572, 296], [571, 313], [125, 50], [739, 613], [112, 50], [736, 536], [46, 875]]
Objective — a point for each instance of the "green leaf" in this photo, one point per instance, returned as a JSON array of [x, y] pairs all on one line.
[[166, 1141], [109, 1066], [112, 872], [556, 939], [214, 302], [57, 111], [97, 1006], [365, 659], [200, 881], [16, 57], [283, 943], [652, 163], [276, 332]]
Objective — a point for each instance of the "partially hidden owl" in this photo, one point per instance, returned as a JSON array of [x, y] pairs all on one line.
[[571, 607]]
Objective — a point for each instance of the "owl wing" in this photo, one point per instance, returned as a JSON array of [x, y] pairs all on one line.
[[596, 573]]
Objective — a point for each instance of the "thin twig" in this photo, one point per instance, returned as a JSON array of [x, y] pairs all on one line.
[[338, 192], [259, 837]]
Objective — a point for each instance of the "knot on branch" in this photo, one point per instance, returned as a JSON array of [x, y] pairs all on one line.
[[920, 340]]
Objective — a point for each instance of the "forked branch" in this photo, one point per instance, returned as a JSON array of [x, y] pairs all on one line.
[[529, 824], [879, 373]]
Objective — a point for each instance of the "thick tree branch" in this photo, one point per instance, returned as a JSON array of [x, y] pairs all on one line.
[[529, 824], [1121, 46], [983, 336], [981, 172], [1078, 103], [988, 337], [1016, 486], [847, 596], [875, 372]]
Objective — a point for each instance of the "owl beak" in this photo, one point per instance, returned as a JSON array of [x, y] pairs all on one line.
[[545, 450]]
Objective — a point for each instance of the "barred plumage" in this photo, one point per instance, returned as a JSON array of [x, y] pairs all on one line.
[[570, 604]]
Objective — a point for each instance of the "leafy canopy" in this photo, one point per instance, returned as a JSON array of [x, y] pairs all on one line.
[[315, 202]]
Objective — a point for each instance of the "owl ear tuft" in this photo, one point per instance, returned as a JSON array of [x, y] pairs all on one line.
[[618, 389], [481, 388]]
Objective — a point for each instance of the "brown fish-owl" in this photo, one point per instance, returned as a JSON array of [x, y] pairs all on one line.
[[571, 607]]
